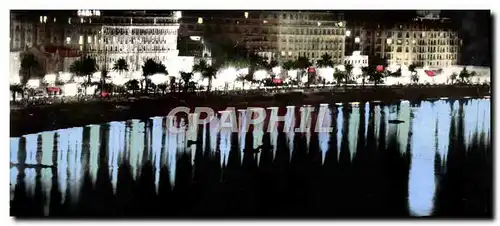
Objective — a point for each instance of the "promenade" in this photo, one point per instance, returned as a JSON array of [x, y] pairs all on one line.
[[39, 117]]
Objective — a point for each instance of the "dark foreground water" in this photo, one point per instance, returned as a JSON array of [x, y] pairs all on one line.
[[435, 161]]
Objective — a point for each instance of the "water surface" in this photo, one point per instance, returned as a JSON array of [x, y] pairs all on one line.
[[435, 161]]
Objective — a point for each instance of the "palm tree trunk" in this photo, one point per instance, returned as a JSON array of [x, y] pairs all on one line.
[[209, 85]]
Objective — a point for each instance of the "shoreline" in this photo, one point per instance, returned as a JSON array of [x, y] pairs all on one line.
[[36, 119]]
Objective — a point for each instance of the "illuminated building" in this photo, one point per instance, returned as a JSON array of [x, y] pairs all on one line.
[[426, 42], [283, 35]]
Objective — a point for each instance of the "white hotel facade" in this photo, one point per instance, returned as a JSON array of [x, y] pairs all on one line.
[[133, 36]]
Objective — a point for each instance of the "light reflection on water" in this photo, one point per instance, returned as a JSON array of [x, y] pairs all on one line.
[[67, 154]]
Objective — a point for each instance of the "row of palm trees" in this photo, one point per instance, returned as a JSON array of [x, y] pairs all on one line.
[[87, 66]]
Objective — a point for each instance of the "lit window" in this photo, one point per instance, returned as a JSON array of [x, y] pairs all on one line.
[[98, 13], [90, 20], [68, 40], [357, 40], [69, 20], [246, 15], [200, 20], [389, 41], [265, 21], [54, 19], [81, 20], [289, 53], [41, 19], [319, 23], [81, 40], [45, 19], [282, 53], [341, 24], [89, 40], [414, 41], [347, 33]]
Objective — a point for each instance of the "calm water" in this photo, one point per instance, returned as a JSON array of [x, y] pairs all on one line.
[[436, 161]]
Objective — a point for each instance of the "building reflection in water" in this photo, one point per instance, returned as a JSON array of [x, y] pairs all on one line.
[[421, 188], [84, 150], [323, 134], [94, 143], [156, 146], [340, 125], [290, 128]]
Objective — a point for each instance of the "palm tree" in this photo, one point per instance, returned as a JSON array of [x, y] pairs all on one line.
[[325, 61], [365, 71], [414, 78], [162, 87], [338, 76], [132, 85], [151, 67], [289, 65], [186, 77], [412, 68], [209, 73], [376, 78], [200, 66], [104, 75], [348, 73], [302, 63], [120, 66], [453, 77], [85, 66]]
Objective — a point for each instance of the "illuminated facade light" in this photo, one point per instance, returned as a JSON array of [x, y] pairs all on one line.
[[246, 15], [54, 19], [200, 20], [414, 41], [177, 15], [389, 41], [195, 38], [319, 23], [265, 21], [357, 40], [347, 33]]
